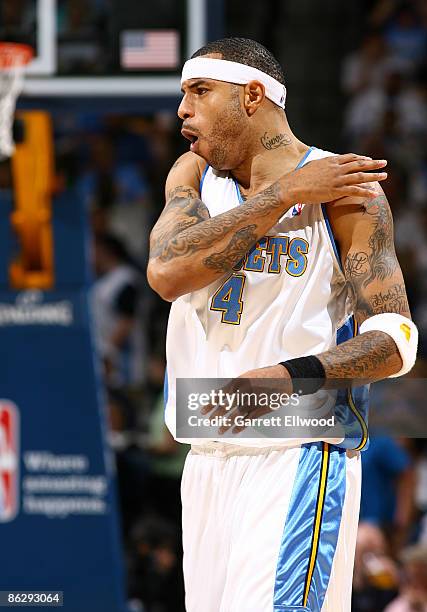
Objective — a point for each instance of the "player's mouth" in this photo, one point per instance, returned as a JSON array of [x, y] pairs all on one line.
[[192, 137]]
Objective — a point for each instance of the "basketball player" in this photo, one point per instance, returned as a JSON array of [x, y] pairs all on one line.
[[272, 253]]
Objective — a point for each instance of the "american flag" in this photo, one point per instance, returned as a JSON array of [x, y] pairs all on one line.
[[155, 49]]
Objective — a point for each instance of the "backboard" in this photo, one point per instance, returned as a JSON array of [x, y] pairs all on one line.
[[108, 48]]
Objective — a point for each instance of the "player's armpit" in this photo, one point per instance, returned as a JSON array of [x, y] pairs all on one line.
[[364, 232]]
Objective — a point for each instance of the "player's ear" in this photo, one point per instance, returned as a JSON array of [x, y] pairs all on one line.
[[254, 94]]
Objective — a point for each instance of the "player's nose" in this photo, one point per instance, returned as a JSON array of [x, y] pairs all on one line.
[[185, 110]]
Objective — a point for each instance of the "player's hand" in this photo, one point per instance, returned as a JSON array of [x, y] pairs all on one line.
[[261, 382], [334, 177]]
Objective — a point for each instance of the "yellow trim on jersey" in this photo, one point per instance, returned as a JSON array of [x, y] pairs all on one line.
[[353, 407], [361, 421], [317, 519]]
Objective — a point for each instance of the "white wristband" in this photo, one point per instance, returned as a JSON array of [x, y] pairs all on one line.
[[403, 331]]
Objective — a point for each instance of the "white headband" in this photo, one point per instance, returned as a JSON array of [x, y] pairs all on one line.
[[233, 72]]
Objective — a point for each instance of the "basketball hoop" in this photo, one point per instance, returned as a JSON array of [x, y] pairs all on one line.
[[13, 59]]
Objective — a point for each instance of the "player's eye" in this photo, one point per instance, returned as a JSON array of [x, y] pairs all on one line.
[[201, 91]]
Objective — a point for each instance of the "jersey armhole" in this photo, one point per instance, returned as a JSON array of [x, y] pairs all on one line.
[[202, 179], [333, 242]]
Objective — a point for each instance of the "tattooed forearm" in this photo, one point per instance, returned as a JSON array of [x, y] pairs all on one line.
[[370, 356], [193, 230], [187, 211], [234, 251]]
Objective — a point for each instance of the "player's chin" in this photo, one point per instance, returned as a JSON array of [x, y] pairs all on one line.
[[201, 149], [217, 162]]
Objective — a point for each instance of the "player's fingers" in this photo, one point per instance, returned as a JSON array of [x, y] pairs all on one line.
[[236, 410], [228, 399], [349, 157], [218, 411], [250, 417], [229, 421], [357, 178], [359, 192], [207, 410], [224, 428], [225, 391], [364, 165]]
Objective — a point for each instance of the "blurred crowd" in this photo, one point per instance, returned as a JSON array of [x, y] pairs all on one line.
[[385, 83]]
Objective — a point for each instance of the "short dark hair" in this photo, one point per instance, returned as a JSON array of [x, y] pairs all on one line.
[[245, 51]]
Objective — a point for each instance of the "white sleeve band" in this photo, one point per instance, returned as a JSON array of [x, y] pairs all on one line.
[[233, 72], [403, 331]]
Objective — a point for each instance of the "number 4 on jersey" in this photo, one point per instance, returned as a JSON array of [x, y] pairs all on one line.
[[228, 299]]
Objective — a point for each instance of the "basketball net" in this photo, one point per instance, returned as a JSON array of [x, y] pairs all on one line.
[[13, 59]]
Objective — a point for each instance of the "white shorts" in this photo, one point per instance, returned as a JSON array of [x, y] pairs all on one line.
[[270, 529]]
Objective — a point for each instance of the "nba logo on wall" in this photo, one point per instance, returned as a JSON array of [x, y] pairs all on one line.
[[9, 460]]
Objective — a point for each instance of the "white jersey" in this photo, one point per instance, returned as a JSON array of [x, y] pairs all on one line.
[[288, 299]]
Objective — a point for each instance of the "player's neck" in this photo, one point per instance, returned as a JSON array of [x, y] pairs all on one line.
[[274, 152]]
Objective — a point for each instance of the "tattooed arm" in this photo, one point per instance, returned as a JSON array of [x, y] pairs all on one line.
[[189, 250], [364, 231]]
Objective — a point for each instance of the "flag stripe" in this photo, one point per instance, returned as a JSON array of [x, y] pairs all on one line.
[[149, 49]]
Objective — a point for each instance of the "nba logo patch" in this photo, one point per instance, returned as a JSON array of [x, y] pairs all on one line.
[[9, 460], [296, 210]]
